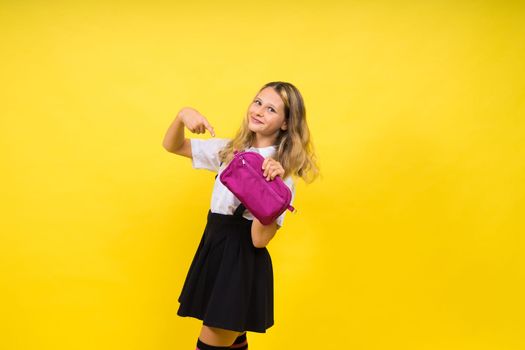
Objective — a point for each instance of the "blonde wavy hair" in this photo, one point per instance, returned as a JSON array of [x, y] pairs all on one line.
[[295, 150]]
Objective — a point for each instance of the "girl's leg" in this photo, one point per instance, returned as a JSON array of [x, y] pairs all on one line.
[[216, 337], [241, 343]]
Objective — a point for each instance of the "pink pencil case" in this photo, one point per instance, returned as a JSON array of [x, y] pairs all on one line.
[[244, 177]]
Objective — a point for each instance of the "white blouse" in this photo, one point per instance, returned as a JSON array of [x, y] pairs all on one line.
[[205, 155]]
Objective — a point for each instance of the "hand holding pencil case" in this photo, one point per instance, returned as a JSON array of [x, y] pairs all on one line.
[[244, 177]]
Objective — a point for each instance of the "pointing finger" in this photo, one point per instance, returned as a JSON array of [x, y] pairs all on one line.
[[209, 127]]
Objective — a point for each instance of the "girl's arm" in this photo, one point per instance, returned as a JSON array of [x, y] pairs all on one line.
[[175, 141], [262, 234]]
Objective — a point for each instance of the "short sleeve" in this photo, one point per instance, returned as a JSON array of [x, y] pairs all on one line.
[[205, 153], [291, 185]]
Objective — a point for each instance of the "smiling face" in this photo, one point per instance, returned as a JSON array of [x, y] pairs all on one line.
[[266, 114]]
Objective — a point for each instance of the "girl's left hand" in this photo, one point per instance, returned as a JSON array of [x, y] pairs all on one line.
[[272, 168]]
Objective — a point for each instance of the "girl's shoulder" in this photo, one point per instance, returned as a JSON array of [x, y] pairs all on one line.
[[211, 144], [205, 152]]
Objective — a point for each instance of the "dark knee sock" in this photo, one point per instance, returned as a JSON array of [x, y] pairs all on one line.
[[203, 346], [241, 343]]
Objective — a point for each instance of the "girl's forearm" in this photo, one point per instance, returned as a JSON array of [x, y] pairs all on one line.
[[262, 234], [174, 137]]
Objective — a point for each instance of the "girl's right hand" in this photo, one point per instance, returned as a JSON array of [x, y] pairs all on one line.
[[195, 122]]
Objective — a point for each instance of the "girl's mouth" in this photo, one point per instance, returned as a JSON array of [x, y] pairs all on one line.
[[256, 121]]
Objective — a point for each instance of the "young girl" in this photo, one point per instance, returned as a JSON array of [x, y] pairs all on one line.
[[229, 285]]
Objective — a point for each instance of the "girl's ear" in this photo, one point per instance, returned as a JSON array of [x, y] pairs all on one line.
[[284, 126]]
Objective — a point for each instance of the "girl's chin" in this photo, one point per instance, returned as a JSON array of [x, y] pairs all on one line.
[[253, 126]]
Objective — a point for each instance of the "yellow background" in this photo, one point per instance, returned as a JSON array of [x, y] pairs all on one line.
[[412, 239]]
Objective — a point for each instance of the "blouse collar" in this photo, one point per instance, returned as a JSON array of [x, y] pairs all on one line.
[[267, 147], [267, 151]]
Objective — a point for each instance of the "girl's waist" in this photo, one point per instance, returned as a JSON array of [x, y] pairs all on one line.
[[227, 218]]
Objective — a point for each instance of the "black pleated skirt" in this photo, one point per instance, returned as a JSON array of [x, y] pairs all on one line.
[[229, 283]]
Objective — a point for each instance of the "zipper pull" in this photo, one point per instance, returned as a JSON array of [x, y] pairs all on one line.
[[243, 162]]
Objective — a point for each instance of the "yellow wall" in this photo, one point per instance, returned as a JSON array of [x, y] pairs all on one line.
[[412, 239]]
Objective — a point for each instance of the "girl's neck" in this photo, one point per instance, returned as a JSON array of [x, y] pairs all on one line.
[[261, 141]]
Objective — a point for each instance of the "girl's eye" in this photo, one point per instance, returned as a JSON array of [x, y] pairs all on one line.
[[257, 101]]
